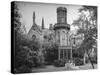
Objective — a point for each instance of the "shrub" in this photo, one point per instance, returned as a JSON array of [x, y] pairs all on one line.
[[94, 60], [59, 63], [78, 61], [23, 69]]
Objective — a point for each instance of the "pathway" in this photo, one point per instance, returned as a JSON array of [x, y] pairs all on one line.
[[68, 67]]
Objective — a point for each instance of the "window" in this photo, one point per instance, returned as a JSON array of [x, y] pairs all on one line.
[[33, 37], [63, 35], [58, 36]]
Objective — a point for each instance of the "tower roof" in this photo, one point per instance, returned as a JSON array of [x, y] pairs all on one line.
[[61, 9], [62, 19]]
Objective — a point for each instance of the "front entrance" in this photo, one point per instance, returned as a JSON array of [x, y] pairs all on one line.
[[65, 54]]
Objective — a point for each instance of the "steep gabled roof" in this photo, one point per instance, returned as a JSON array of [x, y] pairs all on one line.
[[35, 28]]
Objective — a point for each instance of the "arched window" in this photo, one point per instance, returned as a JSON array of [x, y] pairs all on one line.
[[33, 37], [58, 36], [63, 35]]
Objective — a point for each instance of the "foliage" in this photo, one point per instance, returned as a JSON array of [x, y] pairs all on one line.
[[90, 34], [20, 60], [51, 53], [60, 63], [77, 54], [27, 55], [88, 26], [26, 51], [78, 61], [15, 16]]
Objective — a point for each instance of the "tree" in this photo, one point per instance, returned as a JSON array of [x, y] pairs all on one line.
[[50, 48], [87, 24], [19, 52]]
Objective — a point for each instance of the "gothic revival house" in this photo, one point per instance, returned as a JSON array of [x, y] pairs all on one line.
[[58, 33]]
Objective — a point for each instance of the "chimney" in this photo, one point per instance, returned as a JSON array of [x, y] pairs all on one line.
[[50, 27]]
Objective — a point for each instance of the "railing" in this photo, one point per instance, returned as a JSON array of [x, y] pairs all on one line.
[[62, 25]]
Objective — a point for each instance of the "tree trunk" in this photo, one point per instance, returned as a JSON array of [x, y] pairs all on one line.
[[84, 58], [90, 61]]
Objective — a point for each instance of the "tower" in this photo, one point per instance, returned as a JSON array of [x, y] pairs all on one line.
[[62, 34], [61, 15]]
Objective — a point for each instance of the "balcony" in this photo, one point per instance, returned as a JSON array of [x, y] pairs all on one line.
[[61, 25]]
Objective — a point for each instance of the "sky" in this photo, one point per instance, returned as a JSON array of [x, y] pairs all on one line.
[[46, 11]]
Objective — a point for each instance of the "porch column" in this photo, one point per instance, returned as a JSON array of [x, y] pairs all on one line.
[[63, 54], [67, 56], [71, 54], [59, 53]]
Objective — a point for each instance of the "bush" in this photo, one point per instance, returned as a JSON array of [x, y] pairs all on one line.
[[94, 60], [78, 61], [59, 63], [23, 69]]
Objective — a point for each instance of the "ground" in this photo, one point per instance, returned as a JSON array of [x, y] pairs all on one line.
[[68, 67]]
